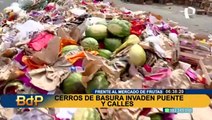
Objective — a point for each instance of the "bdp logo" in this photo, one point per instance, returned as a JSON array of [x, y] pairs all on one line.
[[30, 101]]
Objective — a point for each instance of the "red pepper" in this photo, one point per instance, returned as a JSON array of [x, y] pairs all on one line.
[[138, 33], [137, 27]]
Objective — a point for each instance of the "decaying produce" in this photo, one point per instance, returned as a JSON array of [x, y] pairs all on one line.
[[72, 47]]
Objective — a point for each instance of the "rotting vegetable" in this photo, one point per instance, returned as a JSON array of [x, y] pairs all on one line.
[[137, 55]]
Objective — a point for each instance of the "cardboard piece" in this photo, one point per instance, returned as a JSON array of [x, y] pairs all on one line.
[[198, 61], [75, 32], [62, 33], [93, 64], [124, 113], [48, 78], [7, 113], [201, 113], [8, 70], [44, 56]]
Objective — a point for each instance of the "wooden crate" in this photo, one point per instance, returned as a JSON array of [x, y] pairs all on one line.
[[194, 51], [196, 60], [191, 46]]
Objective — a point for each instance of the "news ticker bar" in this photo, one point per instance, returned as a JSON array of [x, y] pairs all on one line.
[[108, 101], [152, 91]]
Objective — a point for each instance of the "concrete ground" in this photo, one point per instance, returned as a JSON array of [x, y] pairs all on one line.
[[5, 3], [197, 24]]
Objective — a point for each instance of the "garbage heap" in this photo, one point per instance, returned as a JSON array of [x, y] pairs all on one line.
[[74, 47]]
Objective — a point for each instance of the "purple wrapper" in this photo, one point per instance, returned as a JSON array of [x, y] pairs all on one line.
[[25, 79], [168, 116], [78, 63], [35, 14], [18, 58]]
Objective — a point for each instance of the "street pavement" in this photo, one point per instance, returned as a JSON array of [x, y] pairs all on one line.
[[197, 24], [5, 3]]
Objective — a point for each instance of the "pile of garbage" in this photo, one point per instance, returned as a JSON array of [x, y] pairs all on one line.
[[73, 47]]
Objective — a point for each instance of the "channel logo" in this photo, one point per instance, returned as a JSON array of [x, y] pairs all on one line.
[[31, 101]]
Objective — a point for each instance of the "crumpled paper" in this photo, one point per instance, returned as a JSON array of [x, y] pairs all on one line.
[[179, 80], [125, 113], [7, 113], [161, 76], [135, 82], [48, 78], [183, 116], [118, 65], [201, 113], [78, 11], [152, 58], [163, 46], [44, 56], [66, 113], [92, 64], [8, 70], [208, 66], [144, 118], [75, 32], [34, 114], [27, 27]]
